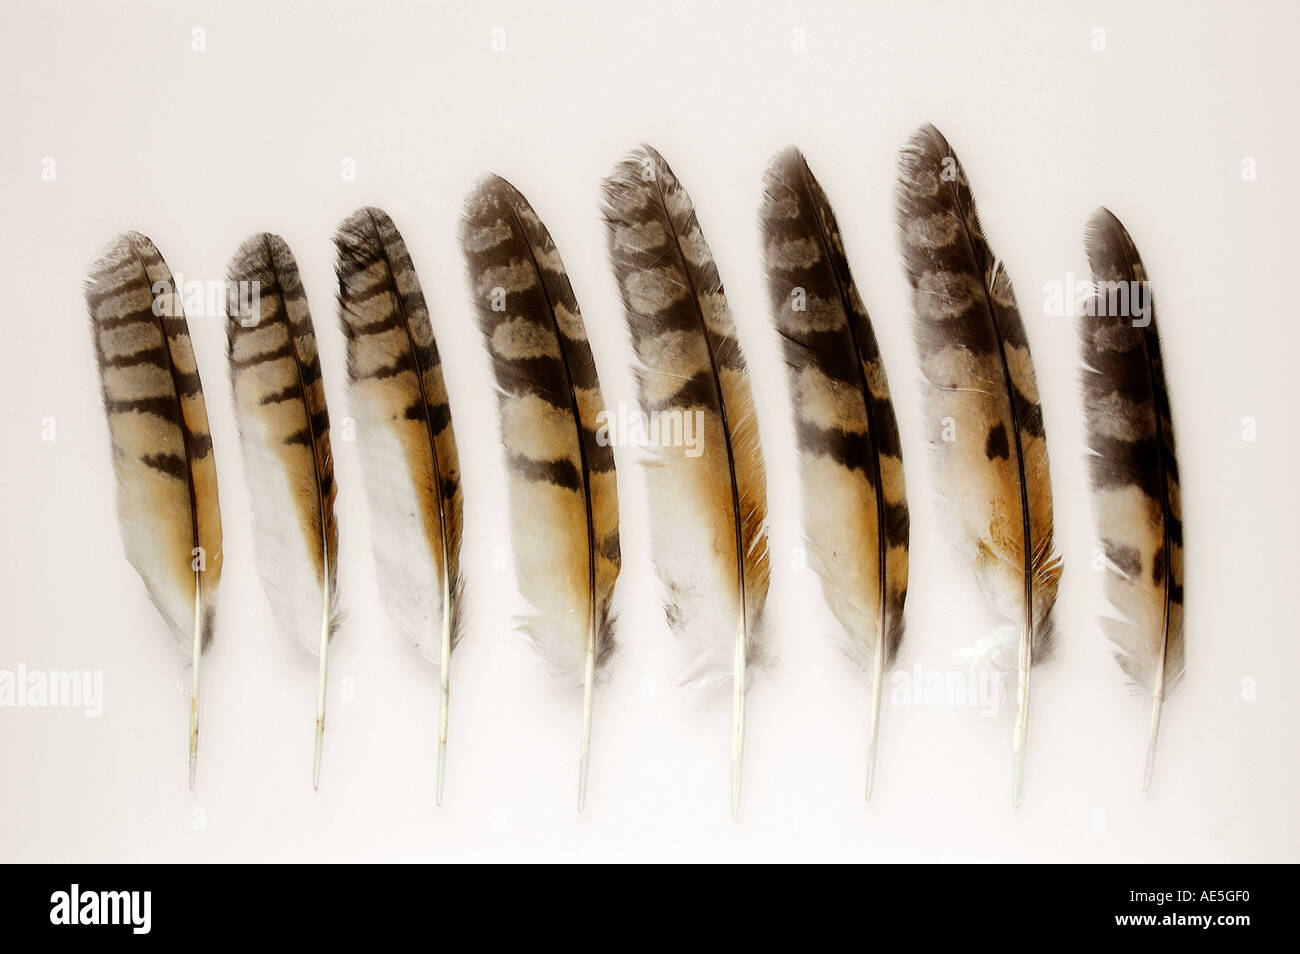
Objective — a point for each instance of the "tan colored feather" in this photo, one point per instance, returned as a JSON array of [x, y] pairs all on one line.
[[563, 492], [162, 451], [690, 361], [854, 500], [564, 497], [412, 470], [1134, 468], [708, 512], [280, 408], [848, 435], [167, 501], [986, 424]]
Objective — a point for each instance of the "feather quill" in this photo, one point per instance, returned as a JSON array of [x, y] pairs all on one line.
[[1133, 468], [168, 509], [408, 447], [851, 460], [279, 398], [708, 509], [563, 493], [990, 457]]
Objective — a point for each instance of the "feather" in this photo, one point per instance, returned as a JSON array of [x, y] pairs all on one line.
[[280, 408], [408, 447], [990, 457], [167, 502], [284, 427], [851, 461], [708, 505], [1133, 467], [563, 493]]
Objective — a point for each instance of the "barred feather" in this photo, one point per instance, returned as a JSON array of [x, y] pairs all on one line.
[[990, 447], [409, 457], [855, 501], [564, 499], [1133, 466], [284, 426], [850, 456], [708, 512], [167, 501]]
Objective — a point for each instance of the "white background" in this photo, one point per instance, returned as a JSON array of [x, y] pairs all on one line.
[[200, 149]]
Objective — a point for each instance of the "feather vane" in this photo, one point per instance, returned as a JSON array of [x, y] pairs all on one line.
[[564, 498], [279, 397], [408, 446]]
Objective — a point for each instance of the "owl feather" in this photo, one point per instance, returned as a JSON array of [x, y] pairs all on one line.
[[167, 504], [989, 443], [284, 427], [1133, 468], [563, 492], [408, 447], [851, 459], [708, 496]]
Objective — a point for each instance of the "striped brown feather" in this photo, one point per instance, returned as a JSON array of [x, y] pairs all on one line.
[[986, 424], [851, 458], [1133, 466], [412, 469], [708, 496], [564, 498], [167, 499], [280, 408], [708, 512]]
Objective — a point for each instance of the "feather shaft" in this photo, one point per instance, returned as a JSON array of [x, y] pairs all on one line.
[[196, 655], [321, 685], [739, 690], [873, 731]]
